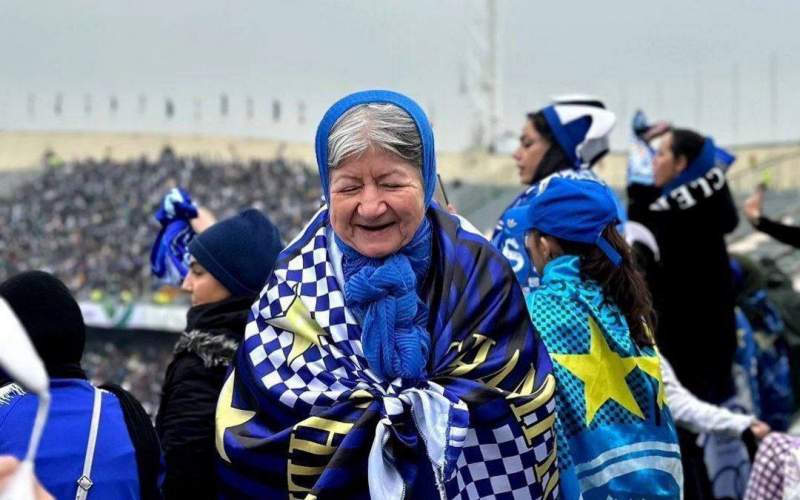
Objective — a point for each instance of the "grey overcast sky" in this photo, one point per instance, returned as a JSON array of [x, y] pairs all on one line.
[[676, 59]]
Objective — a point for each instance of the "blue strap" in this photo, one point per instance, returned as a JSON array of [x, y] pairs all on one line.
[[607, 249]]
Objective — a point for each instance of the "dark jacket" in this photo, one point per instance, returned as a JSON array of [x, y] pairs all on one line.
[[790, 235], [185, 420], [693, 286]]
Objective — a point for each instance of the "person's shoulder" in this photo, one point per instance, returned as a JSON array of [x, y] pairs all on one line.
[[111, 404], [467, 238], [187, 364], [11, 395], [314, 229], [550, 308], [11, 392], [210, 348]]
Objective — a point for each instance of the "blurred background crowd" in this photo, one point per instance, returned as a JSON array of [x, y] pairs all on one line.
[[99, 213]]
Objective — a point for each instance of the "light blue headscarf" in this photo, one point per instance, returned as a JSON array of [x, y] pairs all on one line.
[[383, 293]]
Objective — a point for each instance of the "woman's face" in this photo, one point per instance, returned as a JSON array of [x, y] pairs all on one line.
[[666, 166], [203, 286], [376, 202], [530, 152]]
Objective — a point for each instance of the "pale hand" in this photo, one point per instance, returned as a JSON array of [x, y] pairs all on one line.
[[760, 429], [8, 466], [753, 206], [205, 219]]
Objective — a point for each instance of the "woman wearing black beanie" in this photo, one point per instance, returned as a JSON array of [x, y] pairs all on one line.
[[230, 263]]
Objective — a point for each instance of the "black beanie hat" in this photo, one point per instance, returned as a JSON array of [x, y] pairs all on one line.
[[239, 252], [45, 307]]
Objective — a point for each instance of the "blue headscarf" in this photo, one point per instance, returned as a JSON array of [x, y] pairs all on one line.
[[382, 293], [378, 97]]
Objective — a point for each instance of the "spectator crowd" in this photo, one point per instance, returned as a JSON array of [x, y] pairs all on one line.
[[91, 222]]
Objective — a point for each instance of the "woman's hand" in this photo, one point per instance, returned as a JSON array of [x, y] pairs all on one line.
[[8, 467], [753, 206], [760, 429], [205, 219]]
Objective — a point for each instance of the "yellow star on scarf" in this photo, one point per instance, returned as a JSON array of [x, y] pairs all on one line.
[[651, 365], [603, 373], [299, 322], [227, 416]]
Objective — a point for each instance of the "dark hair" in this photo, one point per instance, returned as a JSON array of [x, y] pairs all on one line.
[[555, 159], [539, 122], [687, 143], [624, 285]]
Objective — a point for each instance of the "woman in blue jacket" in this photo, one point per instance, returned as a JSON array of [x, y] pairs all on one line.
[[565, 139], [123, 460], [616, 437]]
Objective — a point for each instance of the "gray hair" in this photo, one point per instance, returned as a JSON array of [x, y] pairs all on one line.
[[383, 126]]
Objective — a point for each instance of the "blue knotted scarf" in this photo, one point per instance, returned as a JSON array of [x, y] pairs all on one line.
[[382, 293]]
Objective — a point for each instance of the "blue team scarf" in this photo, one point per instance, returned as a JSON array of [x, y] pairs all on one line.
[[641, 155], [303, 410], [710, 156], [640, 162], [169, 257], [616, 437], [383, 296]]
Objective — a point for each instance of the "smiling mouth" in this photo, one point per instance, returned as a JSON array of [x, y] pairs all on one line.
[[376, 228]]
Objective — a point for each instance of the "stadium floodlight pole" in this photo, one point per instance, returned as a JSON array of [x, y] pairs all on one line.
[[773, 95], [19, 359], [493, 83], [481, 81], [735, 97]]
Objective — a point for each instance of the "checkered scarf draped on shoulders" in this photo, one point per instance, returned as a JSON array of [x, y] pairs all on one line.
[[298, 414]]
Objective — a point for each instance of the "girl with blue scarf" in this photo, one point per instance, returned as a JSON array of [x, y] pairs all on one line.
[[616, 437], [390, 354]]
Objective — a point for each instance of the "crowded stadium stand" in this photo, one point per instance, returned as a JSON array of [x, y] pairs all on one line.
[[90, 222], [87, 216], [99, 213]]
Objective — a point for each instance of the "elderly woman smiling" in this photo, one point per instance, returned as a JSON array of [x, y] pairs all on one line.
[[390, 354]]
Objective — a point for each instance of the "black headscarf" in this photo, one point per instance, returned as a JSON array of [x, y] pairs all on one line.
[[52, 318]]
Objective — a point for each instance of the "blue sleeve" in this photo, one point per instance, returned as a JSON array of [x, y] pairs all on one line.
[[10, 427]]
